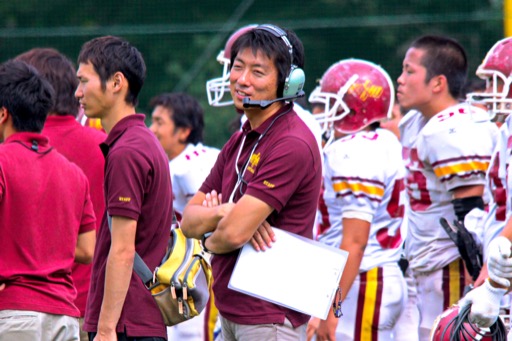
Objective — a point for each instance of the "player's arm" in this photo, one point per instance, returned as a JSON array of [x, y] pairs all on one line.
[[466, 198], [354, 240], [239, 225], [118, 274], [84, 249], [198, 219]]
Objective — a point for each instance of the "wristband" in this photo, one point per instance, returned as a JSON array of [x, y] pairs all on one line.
[[203, 242]]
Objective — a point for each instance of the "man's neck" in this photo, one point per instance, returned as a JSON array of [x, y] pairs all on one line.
[[115, 115], [435, 108], [257, 116], [177, 151]]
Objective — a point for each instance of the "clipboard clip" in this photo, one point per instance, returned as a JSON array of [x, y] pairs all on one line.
[[336, 305]]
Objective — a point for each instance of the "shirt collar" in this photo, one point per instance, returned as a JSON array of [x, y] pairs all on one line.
[[33, 141], [59, 120], [120, 128], [246, 128]]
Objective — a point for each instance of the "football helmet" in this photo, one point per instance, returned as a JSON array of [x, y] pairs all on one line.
[[217, 87], [496, 69], [453, 325], [355, 93]]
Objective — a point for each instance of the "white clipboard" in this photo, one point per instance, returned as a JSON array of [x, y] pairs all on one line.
[[296, 272]]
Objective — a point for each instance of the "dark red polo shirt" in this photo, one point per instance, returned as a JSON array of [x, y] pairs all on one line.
[[137, 186], [44, 205], [285, 172]]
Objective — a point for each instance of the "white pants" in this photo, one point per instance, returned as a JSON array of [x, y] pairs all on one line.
[[21, 325], [191, 330], [373, 305]]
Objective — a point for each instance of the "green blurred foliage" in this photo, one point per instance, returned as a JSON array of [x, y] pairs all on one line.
[[181, 39]]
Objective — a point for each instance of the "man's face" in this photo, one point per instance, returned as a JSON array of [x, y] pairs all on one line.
[[254, 76], [165, 131], [93, 99], [413, 92]]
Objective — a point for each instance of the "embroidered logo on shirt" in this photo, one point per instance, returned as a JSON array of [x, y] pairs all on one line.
[[125, 199], [253, 162], [268, 184]]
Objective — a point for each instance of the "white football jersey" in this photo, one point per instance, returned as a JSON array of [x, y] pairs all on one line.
[[497, 185], [364, 174], [450, 150], [188, 171]]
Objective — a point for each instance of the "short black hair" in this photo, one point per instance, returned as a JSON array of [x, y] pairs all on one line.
[[444, 56], [57, 69], [185, 112], [110, 54], [26, 95], [275, 48]]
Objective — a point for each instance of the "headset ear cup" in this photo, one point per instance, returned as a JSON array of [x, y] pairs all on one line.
[[294, 82]]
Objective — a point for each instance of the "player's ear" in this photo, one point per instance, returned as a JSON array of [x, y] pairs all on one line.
[[183, 134], [439, 82], [4, 115]]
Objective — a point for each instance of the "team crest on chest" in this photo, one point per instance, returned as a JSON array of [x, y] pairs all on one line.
[[253, 162]]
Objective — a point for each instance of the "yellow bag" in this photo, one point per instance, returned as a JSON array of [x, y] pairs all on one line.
[[182, 282]]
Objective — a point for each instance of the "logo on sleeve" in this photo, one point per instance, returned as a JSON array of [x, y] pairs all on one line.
[[268, 184], [125, 199]]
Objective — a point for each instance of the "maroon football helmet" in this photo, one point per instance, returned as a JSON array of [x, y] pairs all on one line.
[[496, 69], [355, 93], [453, 325], [217, 87]]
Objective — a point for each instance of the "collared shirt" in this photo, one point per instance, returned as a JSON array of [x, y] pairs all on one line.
[[138, 187], [44, 206], [80, 145], [284, 171]]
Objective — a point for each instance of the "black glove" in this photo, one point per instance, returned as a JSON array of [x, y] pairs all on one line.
[[468, 248]]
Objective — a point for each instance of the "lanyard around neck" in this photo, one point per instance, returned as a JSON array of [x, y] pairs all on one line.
[[240, 175]]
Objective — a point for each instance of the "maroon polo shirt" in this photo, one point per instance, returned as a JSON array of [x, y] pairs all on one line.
[[285, 172], [137, 186]]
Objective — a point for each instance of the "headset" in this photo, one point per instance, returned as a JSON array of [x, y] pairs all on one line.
[[294, 81]]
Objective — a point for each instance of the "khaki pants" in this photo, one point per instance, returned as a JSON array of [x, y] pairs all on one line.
[[241, 332], [20, 325]]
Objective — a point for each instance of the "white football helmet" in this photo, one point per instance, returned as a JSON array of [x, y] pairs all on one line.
[[217, 87], [496, 69]]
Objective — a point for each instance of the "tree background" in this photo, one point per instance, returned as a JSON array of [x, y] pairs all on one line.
[[180, 39]]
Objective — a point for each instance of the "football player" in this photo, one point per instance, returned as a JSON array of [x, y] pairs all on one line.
[[445, 168], [363, 195]]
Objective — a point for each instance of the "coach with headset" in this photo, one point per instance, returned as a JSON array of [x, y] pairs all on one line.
[[267, 174]]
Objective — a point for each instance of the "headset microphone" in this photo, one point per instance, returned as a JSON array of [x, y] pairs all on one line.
[[264, 104]]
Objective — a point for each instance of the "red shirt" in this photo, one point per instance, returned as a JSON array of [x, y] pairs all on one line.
[[285, 172], [137, 186], [44, 205], [81, 145]]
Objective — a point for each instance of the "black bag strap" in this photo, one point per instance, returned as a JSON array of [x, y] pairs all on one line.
[[139, 266]]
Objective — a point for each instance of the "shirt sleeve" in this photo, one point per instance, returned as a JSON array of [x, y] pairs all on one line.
[[125, 178], [282, 171], [88, 221], [457, 158], [214, 179]]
